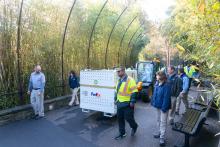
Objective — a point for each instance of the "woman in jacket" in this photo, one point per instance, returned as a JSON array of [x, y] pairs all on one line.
[[161, 100], [74, 86]]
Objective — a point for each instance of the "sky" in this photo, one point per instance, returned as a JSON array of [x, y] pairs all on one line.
[[156, 9]]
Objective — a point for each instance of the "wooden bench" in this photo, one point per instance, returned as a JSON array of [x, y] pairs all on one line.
[[192, 120]]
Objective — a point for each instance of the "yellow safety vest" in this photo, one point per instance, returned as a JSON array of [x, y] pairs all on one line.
[[189, 72], [126, 89]]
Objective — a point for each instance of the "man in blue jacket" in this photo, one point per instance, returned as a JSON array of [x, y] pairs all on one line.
[[161, 100], [184, 93], [74, 86]]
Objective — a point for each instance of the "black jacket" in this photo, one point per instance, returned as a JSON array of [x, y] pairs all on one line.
[[176, 85]]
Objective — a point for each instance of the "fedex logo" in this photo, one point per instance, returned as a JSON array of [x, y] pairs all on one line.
[[95, 94]]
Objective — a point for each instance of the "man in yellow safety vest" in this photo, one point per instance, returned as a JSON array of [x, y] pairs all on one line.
[[189, 70], [125, 96]]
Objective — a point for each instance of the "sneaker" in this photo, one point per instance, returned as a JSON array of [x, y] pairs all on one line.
[[120, 136], [156, 135], [162, 142], [133, 131]]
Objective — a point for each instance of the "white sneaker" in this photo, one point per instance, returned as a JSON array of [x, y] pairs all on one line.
[[162, 142], [156, 135]]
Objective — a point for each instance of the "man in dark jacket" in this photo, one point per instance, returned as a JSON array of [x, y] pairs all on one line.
[[176, 87], [161, 100]]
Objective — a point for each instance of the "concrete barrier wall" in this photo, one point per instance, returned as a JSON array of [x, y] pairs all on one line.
[[26, 111]]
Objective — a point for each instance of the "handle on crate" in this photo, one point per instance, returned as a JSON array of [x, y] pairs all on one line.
[[86, 110], [108, 115]]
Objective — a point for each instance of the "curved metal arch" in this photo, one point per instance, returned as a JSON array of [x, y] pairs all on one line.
[[140, 35], [113, 28], [124, 36], [63, 42], [90, 38], [20, 86], [130, 43]]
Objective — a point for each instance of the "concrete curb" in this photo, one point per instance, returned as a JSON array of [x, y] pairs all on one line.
[[25, 111]]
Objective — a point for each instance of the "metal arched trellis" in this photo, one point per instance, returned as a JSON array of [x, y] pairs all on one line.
[[130, 43], [124, 36], [19, 72], [106, 50], [63, 42], [90, 38], [139, 36]]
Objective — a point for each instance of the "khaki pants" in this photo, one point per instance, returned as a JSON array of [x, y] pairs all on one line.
[[74, 97], [182, 97], [162, 122], [37, 102], [173, 107]]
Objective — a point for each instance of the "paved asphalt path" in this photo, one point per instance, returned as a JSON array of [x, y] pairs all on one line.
[[69, 127]]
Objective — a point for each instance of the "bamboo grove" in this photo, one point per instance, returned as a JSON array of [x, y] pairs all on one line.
[[62, 35]]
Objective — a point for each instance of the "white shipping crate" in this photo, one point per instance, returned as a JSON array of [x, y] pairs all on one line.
[[97, 89]]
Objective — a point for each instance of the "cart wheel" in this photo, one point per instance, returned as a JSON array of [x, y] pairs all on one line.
[[146, 94], [144, 97], [150, 92]]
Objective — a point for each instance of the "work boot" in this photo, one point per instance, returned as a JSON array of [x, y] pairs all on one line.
[[39, 117], [34, 116], [120, 136], [162, 142], [133, 131], [156, 135]]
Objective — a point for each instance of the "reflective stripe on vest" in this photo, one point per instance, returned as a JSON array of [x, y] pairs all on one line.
[[126, 85], [124, 95]]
